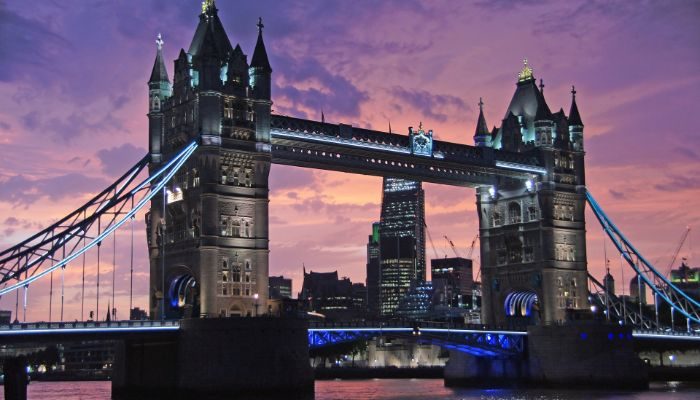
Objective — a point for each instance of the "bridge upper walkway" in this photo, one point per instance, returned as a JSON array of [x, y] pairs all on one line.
[[340, 147]]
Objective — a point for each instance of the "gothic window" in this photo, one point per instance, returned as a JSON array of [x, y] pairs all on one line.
[[224, 276], [248, 177], [247, 291], [247, 265], [224, 174], [247, 277], [497, 219], [224, 264], [532, 214], [561, 300], [236, 232], [236, 181], [236, 275], [195, 178], [228, 109], [514, 213], [247, 229], [236, 291]]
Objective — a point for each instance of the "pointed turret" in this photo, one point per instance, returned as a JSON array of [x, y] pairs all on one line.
[[543, 112], [482, 136], [159, 90], [260, 59], [159, 73], [574, 116], [575, 123], [260, 70]]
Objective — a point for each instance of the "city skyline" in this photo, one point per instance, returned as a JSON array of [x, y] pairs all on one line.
[[63, 82]]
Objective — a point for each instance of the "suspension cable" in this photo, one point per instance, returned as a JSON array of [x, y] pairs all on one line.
[[51, 290], [114, 272], [82, 293], [131, 266], [99, 245], [63, 272]]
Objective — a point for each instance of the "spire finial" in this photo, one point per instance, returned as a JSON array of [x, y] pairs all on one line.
[[159, 41], [526, 72], [573, 91], [260, 25], [420, 125], [541, 86], [481, 104], [206, 5]]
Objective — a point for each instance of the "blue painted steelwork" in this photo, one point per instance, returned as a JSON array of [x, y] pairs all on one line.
[[30, 256], [650, 276], [476, 342]]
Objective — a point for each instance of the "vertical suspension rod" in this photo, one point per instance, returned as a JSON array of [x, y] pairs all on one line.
[[114, 273], [131, 264], [99, 245]]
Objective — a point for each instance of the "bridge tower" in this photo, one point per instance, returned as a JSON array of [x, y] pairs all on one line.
[[208, 233], [533, 243]]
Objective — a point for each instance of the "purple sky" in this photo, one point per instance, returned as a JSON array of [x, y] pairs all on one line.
[[73, 99]]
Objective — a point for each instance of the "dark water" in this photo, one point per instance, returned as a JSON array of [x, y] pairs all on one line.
[[394, 389]]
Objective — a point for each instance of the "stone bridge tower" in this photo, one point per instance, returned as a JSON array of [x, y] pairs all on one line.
[[533, 243], [208, 233]]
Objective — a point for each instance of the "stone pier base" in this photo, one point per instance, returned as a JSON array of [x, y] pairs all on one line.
[[578, 355], [218, 357]]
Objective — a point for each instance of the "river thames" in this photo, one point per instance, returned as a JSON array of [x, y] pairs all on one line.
[[397, 389]]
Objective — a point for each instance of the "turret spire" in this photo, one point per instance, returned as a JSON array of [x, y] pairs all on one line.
[[482, 136], [159, 72], [481, 126], [260, 60], [574, 116]]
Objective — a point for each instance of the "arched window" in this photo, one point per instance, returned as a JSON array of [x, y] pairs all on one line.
[[514, 213], [236, 228]]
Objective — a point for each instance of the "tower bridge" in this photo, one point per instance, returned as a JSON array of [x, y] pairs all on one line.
[[213, 140]]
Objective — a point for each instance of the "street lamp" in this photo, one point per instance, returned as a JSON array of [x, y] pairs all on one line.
[[256, 296]]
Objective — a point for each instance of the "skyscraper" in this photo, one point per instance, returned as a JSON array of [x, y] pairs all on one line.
[[401, 241], [373, 271]]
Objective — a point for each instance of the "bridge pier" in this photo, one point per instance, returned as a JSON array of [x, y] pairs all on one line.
[[575, 355], [16, 378], [464, 369], [227, 357]]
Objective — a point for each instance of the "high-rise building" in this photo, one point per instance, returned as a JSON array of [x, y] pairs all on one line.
[[336, 298], [453, 282], [373, 271], [687, 279], [401, 241], [280, 287]]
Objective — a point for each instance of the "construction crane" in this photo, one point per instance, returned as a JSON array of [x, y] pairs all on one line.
[[678, 249], [454, 249], [471, 248], [430, 238]]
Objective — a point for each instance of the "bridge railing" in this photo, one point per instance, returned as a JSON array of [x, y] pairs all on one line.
[[34, 326]]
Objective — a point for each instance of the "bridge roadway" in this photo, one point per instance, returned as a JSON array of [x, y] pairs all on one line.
[[477, 340], [340, 147]]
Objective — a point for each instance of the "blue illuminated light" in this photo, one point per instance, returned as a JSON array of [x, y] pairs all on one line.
[[178, 161]]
